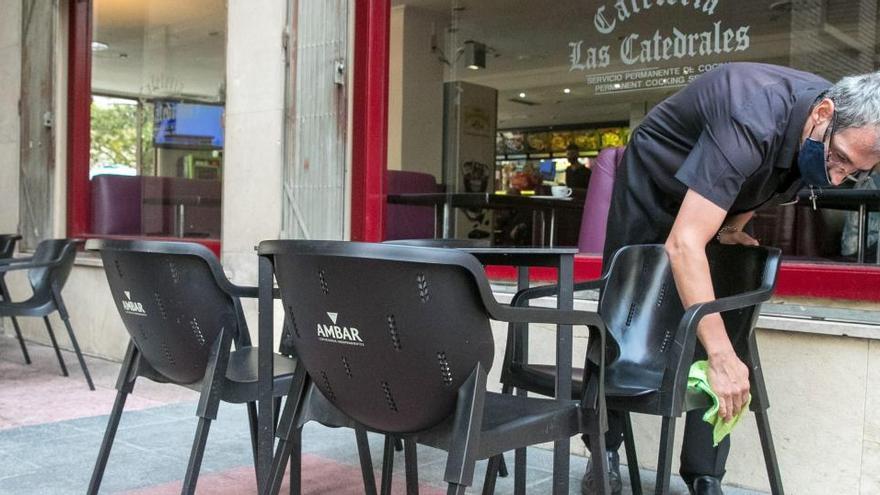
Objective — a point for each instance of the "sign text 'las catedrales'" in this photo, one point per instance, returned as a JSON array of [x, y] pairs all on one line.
[[664, 44]]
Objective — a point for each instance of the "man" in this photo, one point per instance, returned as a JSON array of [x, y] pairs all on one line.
[[577, 175], [739, 137]]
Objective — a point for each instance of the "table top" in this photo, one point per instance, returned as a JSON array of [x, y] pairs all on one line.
[[486, 200], [842, 199], [498, 255]]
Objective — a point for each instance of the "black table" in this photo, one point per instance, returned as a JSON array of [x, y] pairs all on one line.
[[521, 257], [859, 200], [540, 204]]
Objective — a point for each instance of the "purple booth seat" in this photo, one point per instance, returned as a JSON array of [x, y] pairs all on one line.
[[595, 216], [116, 205], [409, 222], [142, 205]]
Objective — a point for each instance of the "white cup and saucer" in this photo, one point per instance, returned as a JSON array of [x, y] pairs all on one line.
[[560, 191]]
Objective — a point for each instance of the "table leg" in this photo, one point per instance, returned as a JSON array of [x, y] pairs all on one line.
[[520, 455], [565, 301], [863, 232], [179, 220], [552, 227], [543, 215], [447, 220], [265, 356], [438, 222]]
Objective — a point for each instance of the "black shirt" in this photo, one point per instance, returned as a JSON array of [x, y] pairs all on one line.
[[577, 178], [731, 135]]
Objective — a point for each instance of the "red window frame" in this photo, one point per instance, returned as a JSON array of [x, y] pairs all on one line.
[[79, 97], [801, 279]]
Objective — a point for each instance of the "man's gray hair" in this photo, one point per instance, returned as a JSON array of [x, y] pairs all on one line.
[[857, 102]]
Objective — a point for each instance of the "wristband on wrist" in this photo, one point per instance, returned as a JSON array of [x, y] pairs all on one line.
[[726, 229]]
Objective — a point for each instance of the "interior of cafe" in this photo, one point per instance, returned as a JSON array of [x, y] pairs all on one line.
[[157, 128], [512, 98]]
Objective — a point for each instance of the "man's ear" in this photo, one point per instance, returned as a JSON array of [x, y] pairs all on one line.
[[823, 111]]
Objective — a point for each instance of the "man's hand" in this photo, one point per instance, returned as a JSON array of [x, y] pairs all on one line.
[[729, 379], [737, 237]]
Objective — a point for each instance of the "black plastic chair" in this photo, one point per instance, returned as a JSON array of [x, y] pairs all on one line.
[[640, 304], [183, 316], [7, 249], [398, 338], [48, 270]]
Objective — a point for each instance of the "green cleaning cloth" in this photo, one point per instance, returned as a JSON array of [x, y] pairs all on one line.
[[698, 379]]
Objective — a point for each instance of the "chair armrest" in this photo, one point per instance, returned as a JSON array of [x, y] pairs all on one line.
[[696, 312], [249, 291], [27, 265], [552, 316], [242, 290], [524, 295], [23, 259]]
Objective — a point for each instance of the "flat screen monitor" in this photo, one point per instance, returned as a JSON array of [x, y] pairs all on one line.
[[188, 124]]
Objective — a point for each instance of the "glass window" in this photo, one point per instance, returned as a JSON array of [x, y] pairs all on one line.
[[157, 134], [514, 98]]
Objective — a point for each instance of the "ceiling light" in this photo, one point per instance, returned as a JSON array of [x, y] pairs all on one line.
[[97, 46], [566, 90], [522, 95], [475, 55]]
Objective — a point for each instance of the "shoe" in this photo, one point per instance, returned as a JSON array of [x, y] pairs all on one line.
[[589, 485], [705, 485]]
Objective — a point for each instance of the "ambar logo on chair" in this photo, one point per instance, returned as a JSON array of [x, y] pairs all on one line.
[[132, 307], [338, 334]]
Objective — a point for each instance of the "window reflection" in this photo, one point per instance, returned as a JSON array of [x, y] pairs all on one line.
[[157, 129], [546, 78]]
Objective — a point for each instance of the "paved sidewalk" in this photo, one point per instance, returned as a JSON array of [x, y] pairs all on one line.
[[51, 428]]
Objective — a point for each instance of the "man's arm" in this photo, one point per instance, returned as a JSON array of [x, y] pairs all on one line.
[[698, 221], [732, 230]]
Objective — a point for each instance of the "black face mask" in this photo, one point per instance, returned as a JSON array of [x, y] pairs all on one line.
[[811, 161]]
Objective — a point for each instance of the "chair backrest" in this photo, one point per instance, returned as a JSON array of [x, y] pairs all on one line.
[[595, 217], [170, 298], [642, 308], [388, 333], [42, 279], [406, 221], [7, 245]]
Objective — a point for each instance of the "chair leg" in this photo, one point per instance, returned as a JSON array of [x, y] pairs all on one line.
[[287, 433], [455, 489], [195, 457], [295, 468], [502, 467], [387, 465], [363, 446], [502, 464], [79, 356], [276, 403], [252, 423], [398, 444], [4, 292], [632, 462], [107, 443], [466, 430], [519, 461], [664, 463], [55, 345], [206, 410], [24, 351], [411, 462], [492, 474], [769, 452]]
